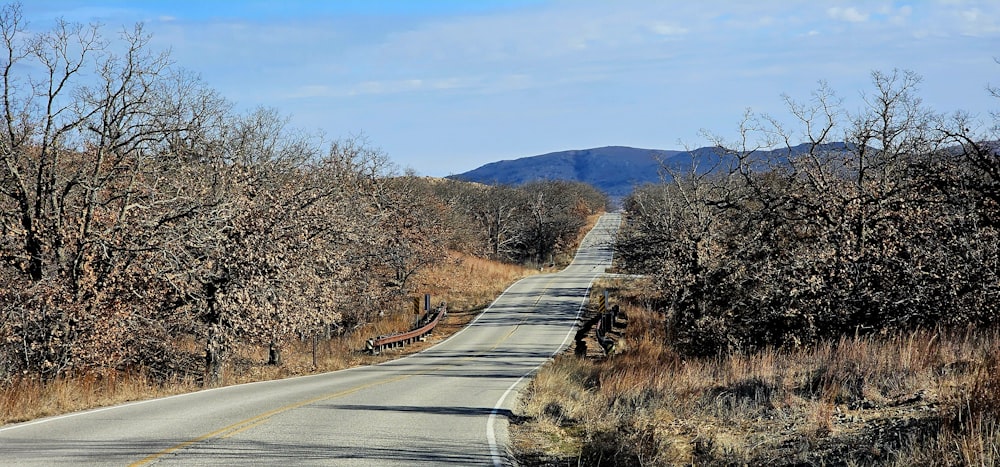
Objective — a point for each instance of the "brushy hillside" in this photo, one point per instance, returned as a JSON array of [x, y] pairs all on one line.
[[467, 283]]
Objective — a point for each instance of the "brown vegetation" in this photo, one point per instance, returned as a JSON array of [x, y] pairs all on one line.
[[467, 283], [911, 398], [831, 303], [896, 227], [151, 236], [534, 223]]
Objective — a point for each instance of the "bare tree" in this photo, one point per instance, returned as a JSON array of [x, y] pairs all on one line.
[[139, 211], [75, 150], [557, 210], [869, 224]]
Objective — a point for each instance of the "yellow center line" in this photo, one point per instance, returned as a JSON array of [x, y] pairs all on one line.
[[511, 333], [246, 424], [547, 284], [244, 428]]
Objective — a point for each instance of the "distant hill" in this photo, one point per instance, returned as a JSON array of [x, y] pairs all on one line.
[[616, 170], [613, 169]]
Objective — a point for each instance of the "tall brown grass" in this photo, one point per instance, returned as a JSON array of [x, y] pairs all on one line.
[[28, 398], [925, 397], [469, 283]]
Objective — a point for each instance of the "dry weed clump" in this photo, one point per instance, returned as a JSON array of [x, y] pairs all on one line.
[[917, 398]]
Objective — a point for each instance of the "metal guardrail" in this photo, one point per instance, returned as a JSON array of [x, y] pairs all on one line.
[[424, 328]]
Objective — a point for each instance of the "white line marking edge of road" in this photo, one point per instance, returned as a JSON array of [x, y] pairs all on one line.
[[491, 436], [204, 391]]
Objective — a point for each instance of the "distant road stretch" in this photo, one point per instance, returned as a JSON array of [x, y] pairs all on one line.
[[446, 405]]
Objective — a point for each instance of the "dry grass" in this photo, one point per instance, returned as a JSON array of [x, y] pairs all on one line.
[[467, 283], [928, 397], [26, 399]]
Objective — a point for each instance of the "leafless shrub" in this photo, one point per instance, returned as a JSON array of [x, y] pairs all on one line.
[[902, 398]]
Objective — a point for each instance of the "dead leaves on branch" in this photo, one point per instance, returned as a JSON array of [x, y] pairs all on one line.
[[137, 209]]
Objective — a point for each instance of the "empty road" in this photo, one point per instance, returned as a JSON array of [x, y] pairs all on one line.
[[446, 405]]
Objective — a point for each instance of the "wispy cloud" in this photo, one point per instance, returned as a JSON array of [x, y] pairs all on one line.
[[442, 81], [849, 14], [977, 22], [668, 29], [900, 16]]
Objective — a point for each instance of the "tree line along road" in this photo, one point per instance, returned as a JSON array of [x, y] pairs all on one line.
[[446, 405]]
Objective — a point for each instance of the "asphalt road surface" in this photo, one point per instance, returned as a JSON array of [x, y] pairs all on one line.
[[446, 405]]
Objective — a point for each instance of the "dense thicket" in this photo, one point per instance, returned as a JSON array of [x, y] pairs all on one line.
[[136, 208], [140, 213], [888, 218], [531, 224]]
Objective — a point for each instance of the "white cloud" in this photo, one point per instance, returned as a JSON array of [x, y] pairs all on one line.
[[978, 23], [311, 91], [667, 29], [386, 87], [901, 15], [849, 14]]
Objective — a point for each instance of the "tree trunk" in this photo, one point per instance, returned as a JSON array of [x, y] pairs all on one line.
[[273, 354], [315, 338], [213, 359]]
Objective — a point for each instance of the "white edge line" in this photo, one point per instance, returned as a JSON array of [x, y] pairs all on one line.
[[110, 407], [272, 381], [491, 436]]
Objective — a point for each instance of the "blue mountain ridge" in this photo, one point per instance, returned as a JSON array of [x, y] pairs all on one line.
[[616, 170]]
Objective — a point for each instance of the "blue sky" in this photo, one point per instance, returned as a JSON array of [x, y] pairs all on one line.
[[446, 86]]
